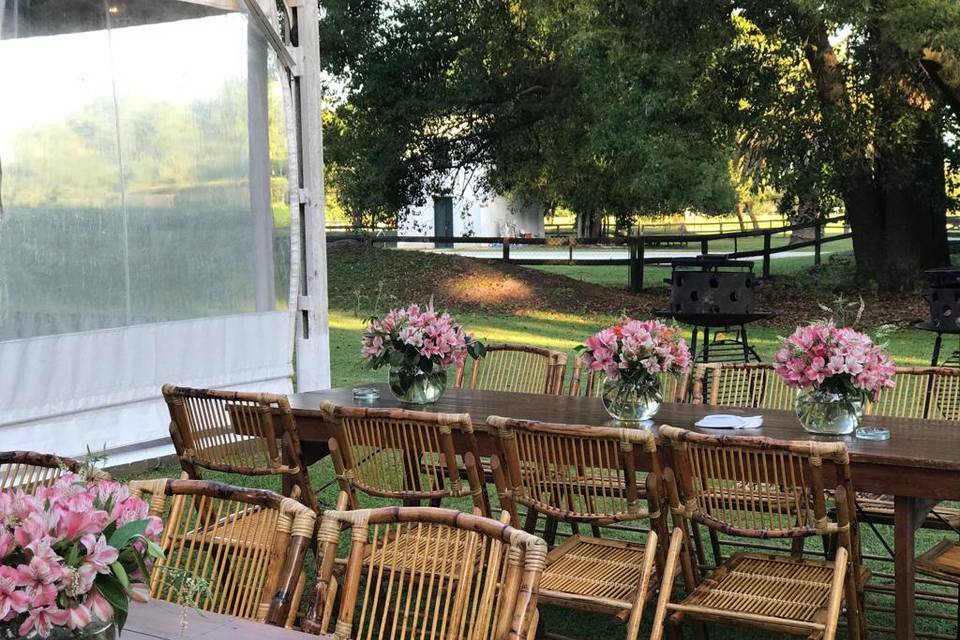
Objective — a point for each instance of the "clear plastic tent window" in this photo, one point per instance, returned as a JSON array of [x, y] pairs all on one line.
[[143, 158], [145, 223]]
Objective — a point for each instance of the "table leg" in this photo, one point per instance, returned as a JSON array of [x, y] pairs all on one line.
[[935, 360], [904, 528]]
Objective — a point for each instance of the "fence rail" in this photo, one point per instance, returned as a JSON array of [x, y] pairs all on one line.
[[637, 245]]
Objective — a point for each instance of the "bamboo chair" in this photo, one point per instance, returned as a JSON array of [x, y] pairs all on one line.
[[515, 367], [244, 546], [714, 483], [473, 578], [407, 456], [673, 388], [250, 434], [584, 475], [27, 470], [736, 384], [931, 393]]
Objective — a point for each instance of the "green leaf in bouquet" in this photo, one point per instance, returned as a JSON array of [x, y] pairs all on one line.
[[121, 575], [397, 358], [122, 536], [119, 598], [154, 550]]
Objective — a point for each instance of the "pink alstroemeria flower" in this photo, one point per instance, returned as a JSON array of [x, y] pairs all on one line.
[[40, 577], [12, 599], [43, 619], [98, 606], [78, 617], [100, 555]]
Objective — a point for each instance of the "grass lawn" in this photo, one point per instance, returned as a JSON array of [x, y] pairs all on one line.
[[357, 291]]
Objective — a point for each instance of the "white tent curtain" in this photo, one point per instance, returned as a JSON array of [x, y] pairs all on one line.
[[143, 151]]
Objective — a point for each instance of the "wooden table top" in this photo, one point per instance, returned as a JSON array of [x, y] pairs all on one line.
[[924, 444], [160, 620]]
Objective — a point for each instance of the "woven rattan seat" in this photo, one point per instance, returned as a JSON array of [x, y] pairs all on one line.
[[768, 586], [597, 570], [942, 561]]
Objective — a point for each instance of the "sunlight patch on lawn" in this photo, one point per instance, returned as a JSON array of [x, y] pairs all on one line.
[[345, 320], [487, 288]]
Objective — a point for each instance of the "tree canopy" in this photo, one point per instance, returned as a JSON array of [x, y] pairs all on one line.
[[654, 106]]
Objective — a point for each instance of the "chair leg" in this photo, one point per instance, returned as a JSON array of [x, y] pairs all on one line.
[[667, 583]]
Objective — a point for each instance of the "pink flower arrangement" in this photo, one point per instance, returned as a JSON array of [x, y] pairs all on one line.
[[417, 338], [636, 348], [72, 554], [822, 354]]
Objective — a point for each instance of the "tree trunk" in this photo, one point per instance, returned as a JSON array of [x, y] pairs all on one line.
[[588, 224], [896, 206]]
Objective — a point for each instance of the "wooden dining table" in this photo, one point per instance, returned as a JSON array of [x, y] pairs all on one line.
[[919, 465], [161, 620]]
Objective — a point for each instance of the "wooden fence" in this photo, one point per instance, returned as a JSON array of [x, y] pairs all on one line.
[[637, 258]]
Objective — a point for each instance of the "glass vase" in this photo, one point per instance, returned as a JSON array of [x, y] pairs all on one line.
[[631, 400], [96, 630], [415, 386], [829, 412]]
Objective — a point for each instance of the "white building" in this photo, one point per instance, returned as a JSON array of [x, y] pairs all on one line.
[[468, 211]]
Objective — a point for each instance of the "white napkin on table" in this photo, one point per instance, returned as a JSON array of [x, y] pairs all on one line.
[[728, 421]]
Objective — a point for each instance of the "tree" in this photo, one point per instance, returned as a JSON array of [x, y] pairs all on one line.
[[536, 99], [853, 117]]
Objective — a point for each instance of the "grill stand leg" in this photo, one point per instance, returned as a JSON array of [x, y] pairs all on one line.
[[936, 350]]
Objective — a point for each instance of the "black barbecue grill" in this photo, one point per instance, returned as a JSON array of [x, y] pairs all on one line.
[[714, 292], [944, 301]]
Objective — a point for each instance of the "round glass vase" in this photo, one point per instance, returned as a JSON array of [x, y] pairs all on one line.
[[827, 412], [94, 631], [416, 386], [631, 400]]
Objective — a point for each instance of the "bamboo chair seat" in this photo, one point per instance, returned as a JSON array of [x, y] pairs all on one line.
[[879, 508], [413, 549], [793, 592], [942, 561], [232, 530], [605, 575]]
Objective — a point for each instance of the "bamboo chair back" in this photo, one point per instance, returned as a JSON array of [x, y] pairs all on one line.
[[760, 488], [228, 549], [573, 472], [28, 470], [403, 455], [931, 393], [517, 368], [735, 384], [470, 577], [251, 434], [672, 388]]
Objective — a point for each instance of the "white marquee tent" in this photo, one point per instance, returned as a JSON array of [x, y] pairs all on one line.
[[161, 213]]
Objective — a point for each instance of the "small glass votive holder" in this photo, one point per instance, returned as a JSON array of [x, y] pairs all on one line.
[[365, 394], [872, 433]]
